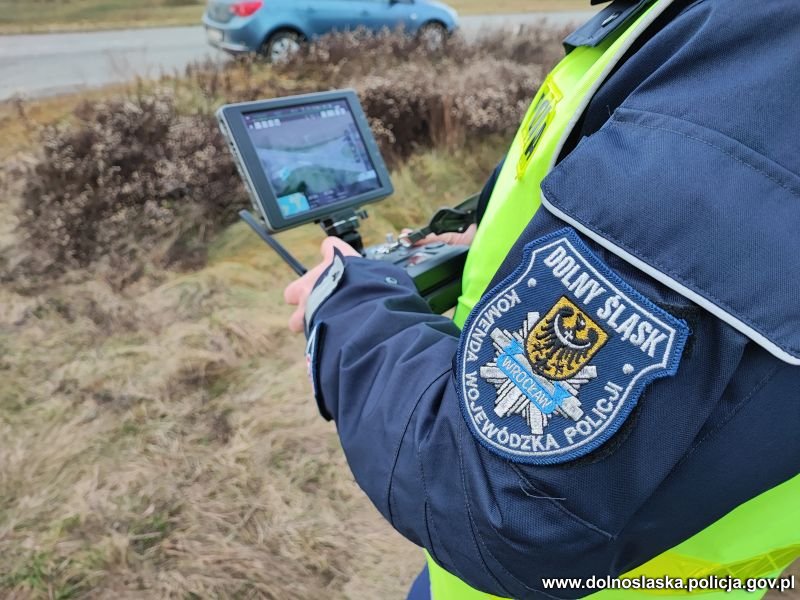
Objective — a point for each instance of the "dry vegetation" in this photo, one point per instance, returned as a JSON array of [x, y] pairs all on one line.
[[158, 435], [147, 178], [158, 439], [82, 15]]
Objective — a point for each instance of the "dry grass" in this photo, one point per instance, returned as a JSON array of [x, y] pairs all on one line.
[[161, 442], [481, 7], [39, 16], [21, 121]]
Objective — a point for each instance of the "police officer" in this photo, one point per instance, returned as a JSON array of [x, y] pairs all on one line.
[[620, 391]]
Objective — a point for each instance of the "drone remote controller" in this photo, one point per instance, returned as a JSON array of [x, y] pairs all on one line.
[[435, 268], [313, 159]]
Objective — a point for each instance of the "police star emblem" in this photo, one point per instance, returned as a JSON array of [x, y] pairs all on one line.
[[546, 380], [550, 386]]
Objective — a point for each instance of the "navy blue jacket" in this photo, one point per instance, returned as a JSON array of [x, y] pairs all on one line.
[[683, 178]]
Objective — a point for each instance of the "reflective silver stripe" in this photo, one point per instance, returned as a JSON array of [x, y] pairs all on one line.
[[684, 291], [326, 286]]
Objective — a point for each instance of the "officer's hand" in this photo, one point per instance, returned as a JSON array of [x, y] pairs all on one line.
[[296, 293], [451, 239]]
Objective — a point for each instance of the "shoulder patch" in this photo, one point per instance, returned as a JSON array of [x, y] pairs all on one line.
[[554, 358]]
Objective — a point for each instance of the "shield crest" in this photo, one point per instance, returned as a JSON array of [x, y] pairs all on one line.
[[554, 359], [564, 341]]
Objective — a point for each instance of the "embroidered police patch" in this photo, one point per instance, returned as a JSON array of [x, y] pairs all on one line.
[[554, 358]]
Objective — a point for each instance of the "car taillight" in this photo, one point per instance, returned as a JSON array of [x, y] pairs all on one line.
[[245, 9]]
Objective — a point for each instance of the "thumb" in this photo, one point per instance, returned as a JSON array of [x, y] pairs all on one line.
[[331, 243]]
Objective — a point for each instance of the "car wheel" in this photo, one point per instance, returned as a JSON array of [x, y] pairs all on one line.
[[281, 45], [433, 35]]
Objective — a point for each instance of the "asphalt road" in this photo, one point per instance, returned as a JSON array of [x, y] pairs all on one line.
[[48, 64]]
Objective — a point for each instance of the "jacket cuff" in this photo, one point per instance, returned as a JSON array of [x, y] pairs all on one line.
[[326, 285]]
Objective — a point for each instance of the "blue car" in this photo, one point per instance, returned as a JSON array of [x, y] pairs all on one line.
[[276, 28]]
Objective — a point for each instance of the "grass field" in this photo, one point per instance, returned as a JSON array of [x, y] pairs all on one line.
[[173, 449], [65, 15], [162, 442]]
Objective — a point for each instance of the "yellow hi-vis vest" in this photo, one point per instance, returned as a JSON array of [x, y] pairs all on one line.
[[757, 539]]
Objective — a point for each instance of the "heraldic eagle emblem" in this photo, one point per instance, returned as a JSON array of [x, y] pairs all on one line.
[[540, 368], [563, 341]]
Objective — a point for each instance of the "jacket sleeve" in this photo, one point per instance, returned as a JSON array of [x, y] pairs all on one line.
[[383, 367], [383, 371], [699, 444]]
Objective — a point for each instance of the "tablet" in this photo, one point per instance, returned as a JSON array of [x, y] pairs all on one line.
[[305, 158]]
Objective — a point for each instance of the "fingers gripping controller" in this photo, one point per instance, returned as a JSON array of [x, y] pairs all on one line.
[[446, 220], [435, 268]]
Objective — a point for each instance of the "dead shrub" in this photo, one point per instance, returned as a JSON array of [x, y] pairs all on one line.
[[130, 177], [336, 57], [422, 107]]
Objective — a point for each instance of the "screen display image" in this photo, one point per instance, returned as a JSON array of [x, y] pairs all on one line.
[[313, 155]]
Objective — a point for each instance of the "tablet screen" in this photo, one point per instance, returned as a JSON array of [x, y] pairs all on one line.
[[312, 155]]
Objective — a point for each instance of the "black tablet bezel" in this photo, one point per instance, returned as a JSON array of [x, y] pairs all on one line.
[[232, 122]]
